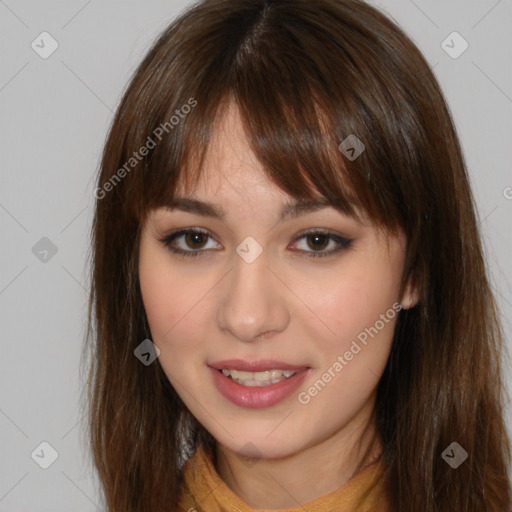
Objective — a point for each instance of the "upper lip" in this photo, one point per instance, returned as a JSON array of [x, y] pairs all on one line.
[[255, 366]]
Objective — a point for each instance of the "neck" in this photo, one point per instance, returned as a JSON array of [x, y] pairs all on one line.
[[286, 482]]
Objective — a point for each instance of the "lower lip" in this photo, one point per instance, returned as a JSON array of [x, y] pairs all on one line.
[[257, 396]]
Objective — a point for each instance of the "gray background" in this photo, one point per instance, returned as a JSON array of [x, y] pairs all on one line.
[[55, 114]]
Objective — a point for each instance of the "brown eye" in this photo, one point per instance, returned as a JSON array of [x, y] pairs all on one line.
[[195, 239], [192, 242], [319, 242]]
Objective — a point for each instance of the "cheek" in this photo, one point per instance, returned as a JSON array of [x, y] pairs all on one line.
[[352, 357], [174, 302], [352, 302], [162, 292], [159, 297]]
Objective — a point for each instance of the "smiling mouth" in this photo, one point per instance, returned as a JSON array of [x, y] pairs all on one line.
[[258, 379], [257, 384]]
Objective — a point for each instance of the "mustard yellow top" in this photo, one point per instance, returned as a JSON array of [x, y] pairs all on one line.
[[203, 490]]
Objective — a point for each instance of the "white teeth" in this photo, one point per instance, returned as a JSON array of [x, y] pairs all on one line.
[[264, 378]]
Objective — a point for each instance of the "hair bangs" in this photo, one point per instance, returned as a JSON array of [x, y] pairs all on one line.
[[294, 122]]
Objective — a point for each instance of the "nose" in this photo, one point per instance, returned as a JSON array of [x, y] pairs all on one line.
[[253, 303]]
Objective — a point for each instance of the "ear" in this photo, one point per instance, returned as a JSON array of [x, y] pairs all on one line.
[[411, 295]]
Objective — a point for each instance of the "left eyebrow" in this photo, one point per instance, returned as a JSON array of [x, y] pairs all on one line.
[[289, 210]]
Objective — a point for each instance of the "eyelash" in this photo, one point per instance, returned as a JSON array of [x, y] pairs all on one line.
[[343, 243]]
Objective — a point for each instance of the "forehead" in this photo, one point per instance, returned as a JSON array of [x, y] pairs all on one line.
[[229, 159], [231, 173]]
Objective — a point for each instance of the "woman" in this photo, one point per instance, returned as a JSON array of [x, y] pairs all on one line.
[[291, 306]]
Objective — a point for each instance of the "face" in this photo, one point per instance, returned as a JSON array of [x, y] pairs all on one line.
[[315, 295]]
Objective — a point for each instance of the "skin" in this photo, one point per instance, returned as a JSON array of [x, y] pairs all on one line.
[[283, 306]]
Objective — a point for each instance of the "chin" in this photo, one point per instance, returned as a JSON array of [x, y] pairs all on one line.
[[256, 445]]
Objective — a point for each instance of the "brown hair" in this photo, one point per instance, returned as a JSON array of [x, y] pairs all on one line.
[[305, 75]]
